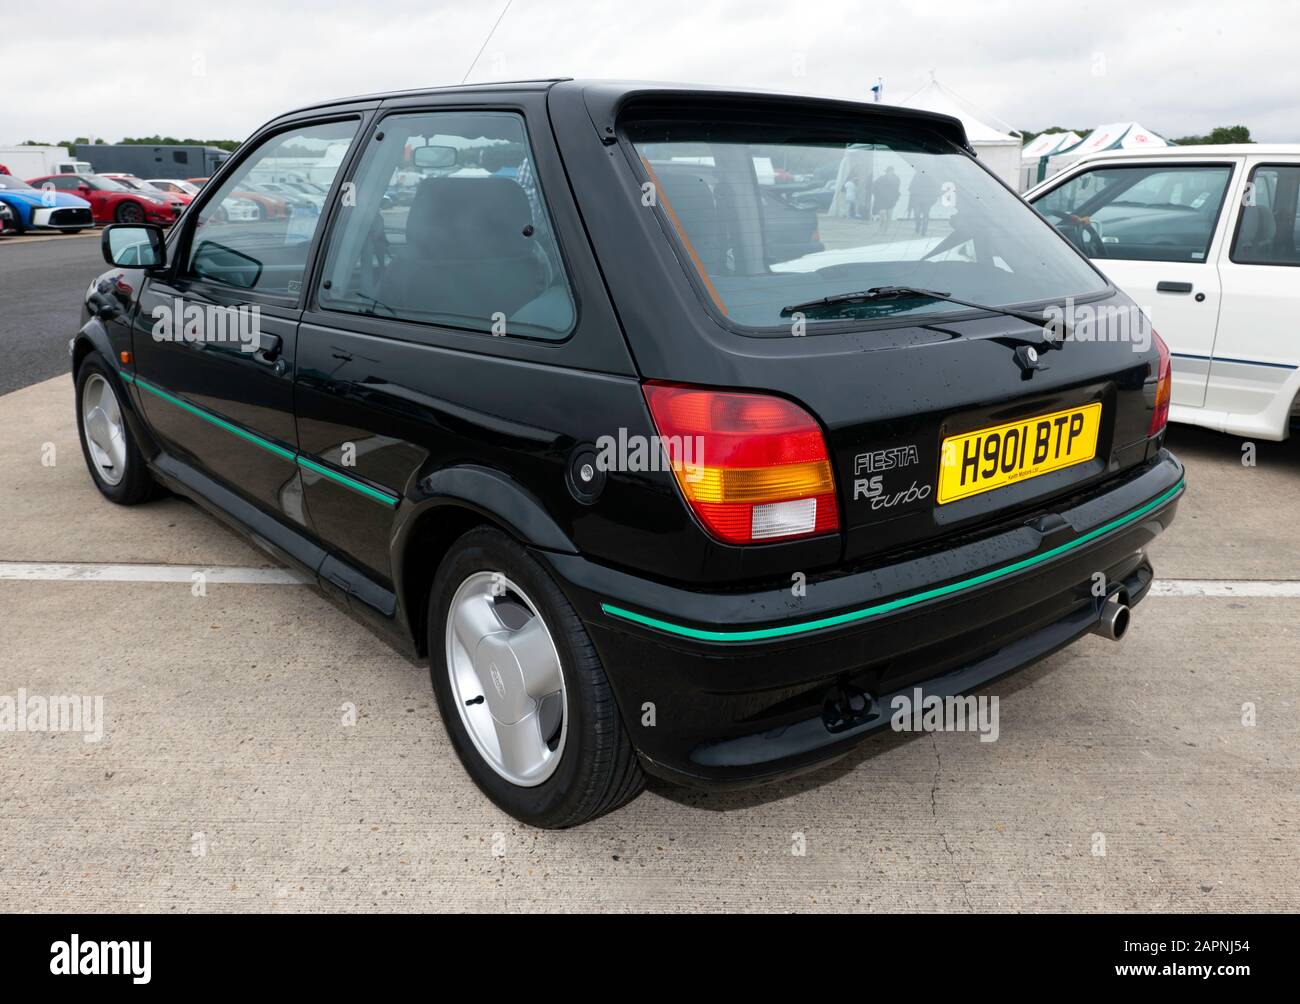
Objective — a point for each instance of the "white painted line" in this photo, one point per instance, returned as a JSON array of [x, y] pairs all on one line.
[[235, 576], [1226, 587], [214, 574]]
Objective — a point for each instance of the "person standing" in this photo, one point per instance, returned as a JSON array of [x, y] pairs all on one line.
[[921, 194], [851, 198], [884, 193]]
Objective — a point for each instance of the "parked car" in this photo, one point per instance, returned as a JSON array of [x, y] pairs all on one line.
[[1207, 240], [32, 209], [111, 202], [295, 195], [646, 503], [239, 210], [140, 185], [174, 185]]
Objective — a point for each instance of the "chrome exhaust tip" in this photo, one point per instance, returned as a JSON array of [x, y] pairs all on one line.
[[1116, 615]]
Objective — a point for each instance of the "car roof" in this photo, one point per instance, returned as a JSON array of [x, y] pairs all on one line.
[[1201, 150], [605, 97], [504, 85]]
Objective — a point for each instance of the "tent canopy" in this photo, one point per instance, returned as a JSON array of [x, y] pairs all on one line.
[[1118, 136], [1049, 143]]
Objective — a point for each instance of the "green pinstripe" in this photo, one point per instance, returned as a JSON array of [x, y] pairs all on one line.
[[360, 487], [786, 630]]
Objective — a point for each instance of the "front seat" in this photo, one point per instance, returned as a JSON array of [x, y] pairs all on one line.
[[467, 253]]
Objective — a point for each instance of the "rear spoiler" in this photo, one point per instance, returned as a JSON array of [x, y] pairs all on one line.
[[606, 100]]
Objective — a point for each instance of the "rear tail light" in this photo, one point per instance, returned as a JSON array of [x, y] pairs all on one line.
[[752, 467], [1164, 386]]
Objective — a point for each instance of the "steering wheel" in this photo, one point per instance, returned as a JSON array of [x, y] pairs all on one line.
[[1075, 229]]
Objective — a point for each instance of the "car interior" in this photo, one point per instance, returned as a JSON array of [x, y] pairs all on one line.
[[1150, 213], [1269, 230], [452, 232]]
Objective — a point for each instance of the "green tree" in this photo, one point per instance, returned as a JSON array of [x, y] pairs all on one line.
[[1218, 135]]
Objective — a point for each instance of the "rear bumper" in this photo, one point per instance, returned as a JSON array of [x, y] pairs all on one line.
[[727, 690]]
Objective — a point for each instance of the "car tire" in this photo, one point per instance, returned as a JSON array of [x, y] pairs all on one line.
[[129, 212], [587, 765], [117, 468]]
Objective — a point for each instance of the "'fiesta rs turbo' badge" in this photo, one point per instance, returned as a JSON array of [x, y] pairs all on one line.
[[869, 481]]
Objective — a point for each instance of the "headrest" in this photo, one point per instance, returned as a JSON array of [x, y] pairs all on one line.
[[469, 218]]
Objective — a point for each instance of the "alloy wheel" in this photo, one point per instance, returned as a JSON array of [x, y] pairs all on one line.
[[506, 678]]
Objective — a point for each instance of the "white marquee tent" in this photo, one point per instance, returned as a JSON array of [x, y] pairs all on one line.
[[999, 150]]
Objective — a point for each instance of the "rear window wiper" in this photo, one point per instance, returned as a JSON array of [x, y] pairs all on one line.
[[877, 293]]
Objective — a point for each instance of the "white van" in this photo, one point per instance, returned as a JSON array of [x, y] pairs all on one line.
[[1206, 239]]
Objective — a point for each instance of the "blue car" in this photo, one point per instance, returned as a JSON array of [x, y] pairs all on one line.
[[42, 209]]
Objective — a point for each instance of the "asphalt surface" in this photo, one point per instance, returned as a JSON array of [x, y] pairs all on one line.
[[1160, 773], [43, 280]]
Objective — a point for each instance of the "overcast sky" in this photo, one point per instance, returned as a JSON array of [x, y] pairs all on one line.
[[219, 70]]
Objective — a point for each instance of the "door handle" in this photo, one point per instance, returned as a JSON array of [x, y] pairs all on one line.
[[268, 353], [1173, 287], [268, 346]]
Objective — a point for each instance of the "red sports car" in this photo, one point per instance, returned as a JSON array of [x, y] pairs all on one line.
[[149, 188], [111, 202]]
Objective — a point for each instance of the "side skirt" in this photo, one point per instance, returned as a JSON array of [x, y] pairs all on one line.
[[337, 580]]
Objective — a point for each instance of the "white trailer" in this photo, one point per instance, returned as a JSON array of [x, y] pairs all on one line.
[[38, 161]]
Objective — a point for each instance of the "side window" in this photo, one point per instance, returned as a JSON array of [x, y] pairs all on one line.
[[253, 237], [1268, 232], [1148, 213], [1070, 197], [447, 225]]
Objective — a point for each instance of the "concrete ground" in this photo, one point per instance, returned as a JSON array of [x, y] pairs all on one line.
[[226, 778]]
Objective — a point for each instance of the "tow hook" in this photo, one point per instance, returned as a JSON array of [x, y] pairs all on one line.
[[847, 706]]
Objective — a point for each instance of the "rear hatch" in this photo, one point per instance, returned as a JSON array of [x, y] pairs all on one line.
[[937, 417]]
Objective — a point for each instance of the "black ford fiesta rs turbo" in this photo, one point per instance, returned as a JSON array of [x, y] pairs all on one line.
[[679, 429]]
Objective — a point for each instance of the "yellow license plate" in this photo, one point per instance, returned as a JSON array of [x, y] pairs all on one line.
[[1008, 454]]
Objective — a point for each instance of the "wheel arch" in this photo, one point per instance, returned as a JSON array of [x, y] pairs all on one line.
[[94, 338], [449, 503]]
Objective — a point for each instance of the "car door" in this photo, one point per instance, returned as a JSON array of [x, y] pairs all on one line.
[[103, 202], [214, 338], [441, 288], [1155, 229], [1256, 353]]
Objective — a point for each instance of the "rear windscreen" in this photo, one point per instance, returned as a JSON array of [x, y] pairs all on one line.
[[774, 214]]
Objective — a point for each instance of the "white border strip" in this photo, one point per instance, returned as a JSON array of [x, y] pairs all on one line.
[[213, 574], [1289, 588], [23, 571]]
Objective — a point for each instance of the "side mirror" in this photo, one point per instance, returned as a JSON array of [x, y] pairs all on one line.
[[83, 189], [132, 245], [434, 156]]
